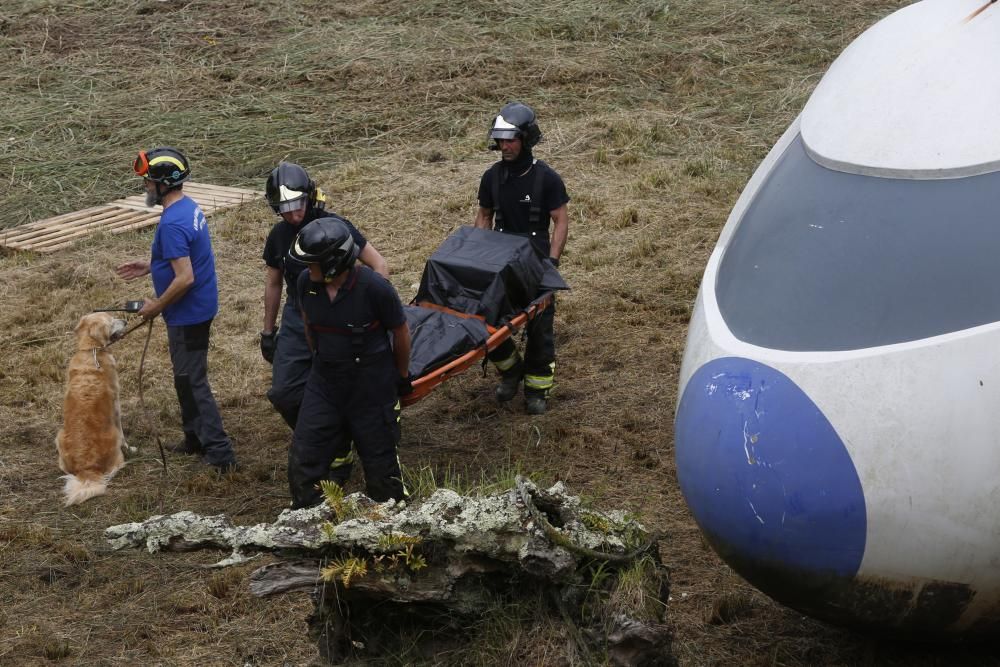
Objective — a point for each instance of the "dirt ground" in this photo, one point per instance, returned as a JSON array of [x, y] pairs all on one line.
[[655, 113]]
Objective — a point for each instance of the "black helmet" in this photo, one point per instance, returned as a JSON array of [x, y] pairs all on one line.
[[515, 120], [327, 242], [164, 165], [289, 188]]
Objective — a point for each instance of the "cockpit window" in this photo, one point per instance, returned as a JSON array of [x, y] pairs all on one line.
[[823, 260]]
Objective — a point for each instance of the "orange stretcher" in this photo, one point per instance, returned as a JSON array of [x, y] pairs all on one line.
[[477, 289], [425, 384]]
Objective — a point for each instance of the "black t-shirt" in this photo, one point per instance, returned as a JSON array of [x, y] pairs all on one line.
[[281, 237], [365, 298], [516, 192]]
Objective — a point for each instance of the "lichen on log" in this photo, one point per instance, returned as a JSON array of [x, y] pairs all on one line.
[[450, 552]]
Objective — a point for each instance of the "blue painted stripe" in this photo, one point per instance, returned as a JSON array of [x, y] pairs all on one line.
[[766, 475]]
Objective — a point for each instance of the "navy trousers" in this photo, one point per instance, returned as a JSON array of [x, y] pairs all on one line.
[[341, 404], [291, 365]]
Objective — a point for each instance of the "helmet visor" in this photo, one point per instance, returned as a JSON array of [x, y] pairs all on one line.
[[504, 134], [288, 206], [503, 130], [290, 200]]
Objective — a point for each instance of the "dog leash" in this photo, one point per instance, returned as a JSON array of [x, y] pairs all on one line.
[[142, 399], [150, 423]]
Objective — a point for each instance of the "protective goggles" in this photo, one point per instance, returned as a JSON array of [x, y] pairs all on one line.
[[141, 164]]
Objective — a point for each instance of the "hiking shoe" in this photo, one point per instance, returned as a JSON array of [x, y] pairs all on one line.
[[507, 389], [534, 404], [185, 446]]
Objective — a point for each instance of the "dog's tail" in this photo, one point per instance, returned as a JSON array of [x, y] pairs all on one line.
[[85, 487]]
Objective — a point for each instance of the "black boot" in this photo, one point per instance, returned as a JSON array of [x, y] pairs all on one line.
[[510, 382], [534, 404]]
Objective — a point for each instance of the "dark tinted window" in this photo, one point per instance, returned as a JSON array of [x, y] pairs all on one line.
[[824, 260]]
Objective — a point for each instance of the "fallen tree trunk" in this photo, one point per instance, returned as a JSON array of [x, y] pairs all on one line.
[[433, 568]]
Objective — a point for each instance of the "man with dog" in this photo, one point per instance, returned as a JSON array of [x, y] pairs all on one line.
[[356, 328], [294, 196], [521, 195], [183, 271]]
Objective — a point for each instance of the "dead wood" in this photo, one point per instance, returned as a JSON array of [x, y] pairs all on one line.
[[445, 562]]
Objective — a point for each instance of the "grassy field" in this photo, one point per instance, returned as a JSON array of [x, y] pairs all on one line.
[[655, 113]]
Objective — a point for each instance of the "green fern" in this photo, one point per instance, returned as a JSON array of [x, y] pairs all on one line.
[[596, 522], [416, 562], [345, 569], [334, 495], [344, 509], [392, 541], [329, 532]]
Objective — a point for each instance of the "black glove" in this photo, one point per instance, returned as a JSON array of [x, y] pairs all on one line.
[[404, 386], [268, 341], [555, 261]]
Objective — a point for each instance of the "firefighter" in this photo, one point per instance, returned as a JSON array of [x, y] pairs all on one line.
[[358, 371], [296, 198], [521, 195]]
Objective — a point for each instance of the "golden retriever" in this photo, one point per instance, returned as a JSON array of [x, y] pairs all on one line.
[[91, 443]]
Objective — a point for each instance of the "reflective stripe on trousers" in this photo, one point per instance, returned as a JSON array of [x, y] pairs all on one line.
[[508, 362], [540, 383]]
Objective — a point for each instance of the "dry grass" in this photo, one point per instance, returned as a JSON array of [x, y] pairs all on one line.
[[655, 113]]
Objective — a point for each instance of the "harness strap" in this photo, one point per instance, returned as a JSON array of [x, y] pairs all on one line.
[[535, 211], [537, 187], [497, 213]]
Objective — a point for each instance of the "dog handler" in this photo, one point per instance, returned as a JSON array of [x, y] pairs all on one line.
[[295, 197], [183, 270], [358, 374]]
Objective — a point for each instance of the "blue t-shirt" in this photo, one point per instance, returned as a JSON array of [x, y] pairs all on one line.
[[183, 232]]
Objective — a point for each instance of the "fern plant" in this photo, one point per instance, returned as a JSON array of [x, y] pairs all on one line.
[[400, 550], [345, 569], [333, 493]]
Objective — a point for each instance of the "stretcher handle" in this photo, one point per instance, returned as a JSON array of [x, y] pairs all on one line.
[[426, 383]]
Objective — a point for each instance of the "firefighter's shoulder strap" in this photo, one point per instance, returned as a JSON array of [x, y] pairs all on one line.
[[497, 175], [535, 212]]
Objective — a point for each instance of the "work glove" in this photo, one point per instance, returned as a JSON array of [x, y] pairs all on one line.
[[268, 341], [404, 386], [554, 261]]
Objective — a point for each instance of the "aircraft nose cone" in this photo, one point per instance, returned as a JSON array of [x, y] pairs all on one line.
[[768, 479]]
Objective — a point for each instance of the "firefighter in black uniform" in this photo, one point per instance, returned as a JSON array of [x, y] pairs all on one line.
[[520, 195], [357, 374], [295, 197]]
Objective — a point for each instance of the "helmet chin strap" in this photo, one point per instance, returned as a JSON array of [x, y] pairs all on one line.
[[330, 277]]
